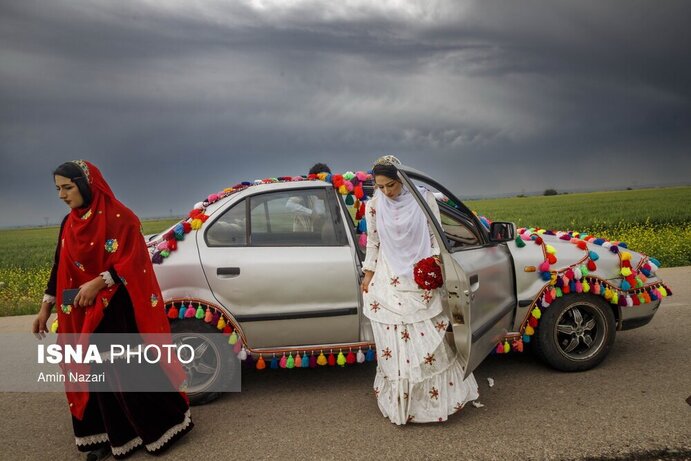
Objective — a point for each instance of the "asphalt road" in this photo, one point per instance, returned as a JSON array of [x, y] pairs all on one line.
[[633, 406]]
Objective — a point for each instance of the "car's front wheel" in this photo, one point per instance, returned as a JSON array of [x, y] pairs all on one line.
[[213, 364], [575, 332]]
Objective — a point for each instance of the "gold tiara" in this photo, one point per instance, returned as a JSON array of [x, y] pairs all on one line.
[[388, 160]]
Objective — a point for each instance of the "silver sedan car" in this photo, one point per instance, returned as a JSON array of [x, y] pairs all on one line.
[[276, 266]]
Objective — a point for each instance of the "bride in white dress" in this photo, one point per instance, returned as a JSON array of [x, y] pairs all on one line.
[[418, 376]]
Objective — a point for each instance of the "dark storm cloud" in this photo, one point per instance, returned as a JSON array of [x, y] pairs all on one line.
[[174, 100]]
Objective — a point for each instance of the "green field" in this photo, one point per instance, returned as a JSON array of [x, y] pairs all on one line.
[[26, 257], [656, 222]]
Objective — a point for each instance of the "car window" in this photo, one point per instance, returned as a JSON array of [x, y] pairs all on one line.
[[459, 229], [457, 232], [230, 229], [291, 218]]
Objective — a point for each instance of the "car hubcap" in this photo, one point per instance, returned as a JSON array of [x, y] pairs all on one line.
[[580, 332], [203, 370]]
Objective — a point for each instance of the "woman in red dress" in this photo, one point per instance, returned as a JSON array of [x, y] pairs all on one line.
[[102, 252]]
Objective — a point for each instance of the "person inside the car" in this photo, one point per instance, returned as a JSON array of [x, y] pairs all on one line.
[[419, 378], [102, 253], [309, 211]]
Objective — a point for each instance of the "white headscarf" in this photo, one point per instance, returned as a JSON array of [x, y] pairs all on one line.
[[403, 231]]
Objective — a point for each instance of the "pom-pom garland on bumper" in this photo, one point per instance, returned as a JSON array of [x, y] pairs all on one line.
[[290, 358]]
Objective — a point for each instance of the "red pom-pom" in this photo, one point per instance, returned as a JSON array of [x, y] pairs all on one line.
[[196, 212], [533, 322], [332, 360], [427, 274], [359, 193], [173, 312], [582, 245], [565, 237], [186, 227], [548, 297], [591, 265], [227, 330], [172, 245], [350, 358], [538, 241], [337, 180], [569, 273], [312, 177], [551, 258], [636, 301]]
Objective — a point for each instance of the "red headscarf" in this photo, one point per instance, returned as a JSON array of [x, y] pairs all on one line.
[[106, 235]]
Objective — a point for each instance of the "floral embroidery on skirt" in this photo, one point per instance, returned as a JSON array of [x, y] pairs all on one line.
[[419, 378]]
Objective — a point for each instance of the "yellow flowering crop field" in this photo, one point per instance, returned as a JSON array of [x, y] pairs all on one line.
[[26, 258], [656, 222]]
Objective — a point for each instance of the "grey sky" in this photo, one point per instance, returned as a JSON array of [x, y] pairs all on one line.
[[175, 99]]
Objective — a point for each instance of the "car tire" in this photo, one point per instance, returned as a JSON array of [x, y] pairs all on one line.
[[575, 332], [214, 364]]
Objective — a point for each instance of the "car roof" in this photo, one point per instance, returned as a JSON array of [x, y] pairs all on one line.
[[276, 186]]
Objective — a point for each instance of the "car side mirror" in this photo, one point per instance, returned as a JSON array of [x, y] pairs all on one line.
[[501, 231]]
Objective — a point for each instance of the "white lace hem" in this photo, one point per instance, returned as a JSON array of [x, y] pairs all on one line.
[[170, 433], [91, 440], [126, 448]]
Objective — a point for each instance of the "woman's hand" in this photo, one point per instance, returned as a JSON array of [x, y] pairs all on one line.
[[88, 291], [40, 327], [366, 280]]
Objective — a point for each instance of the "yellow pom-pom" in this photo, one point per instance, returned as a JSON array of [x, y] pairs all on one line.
[[321, 360], [625, 256], [663, 292], [343, 190], [553, 279], [221, 323], [615, 298], [541, 231], [529, 330], [550, 249], [228, 189], [196, 224], [54, 326], [625, 271], [507, 348], [586, 286], [536, 313], [608, 294], [322, 176]]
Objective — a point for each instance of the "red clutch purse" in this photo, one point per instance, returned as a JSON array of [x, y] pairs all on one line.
[[427, 274]]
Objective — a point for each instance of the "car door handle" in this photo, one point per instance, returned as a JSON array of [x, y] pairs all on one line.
[[228, 272]]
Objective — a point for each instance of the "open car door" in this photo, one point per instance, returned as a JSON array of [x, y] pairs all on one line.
[[479, 276]]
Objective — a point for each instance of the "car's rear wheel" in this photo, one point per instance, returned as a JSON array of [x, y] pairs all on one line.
[[214, 363], [575, 332]]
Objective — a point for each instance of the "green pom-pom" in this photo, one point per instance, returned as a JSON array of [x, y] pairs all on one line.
[[200, 313], [165, 253], [290, 363], [519, 242], [349, 199]]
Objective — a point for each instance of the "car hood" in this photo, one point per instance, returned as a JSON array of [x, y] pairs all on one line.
[[595, 258]]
